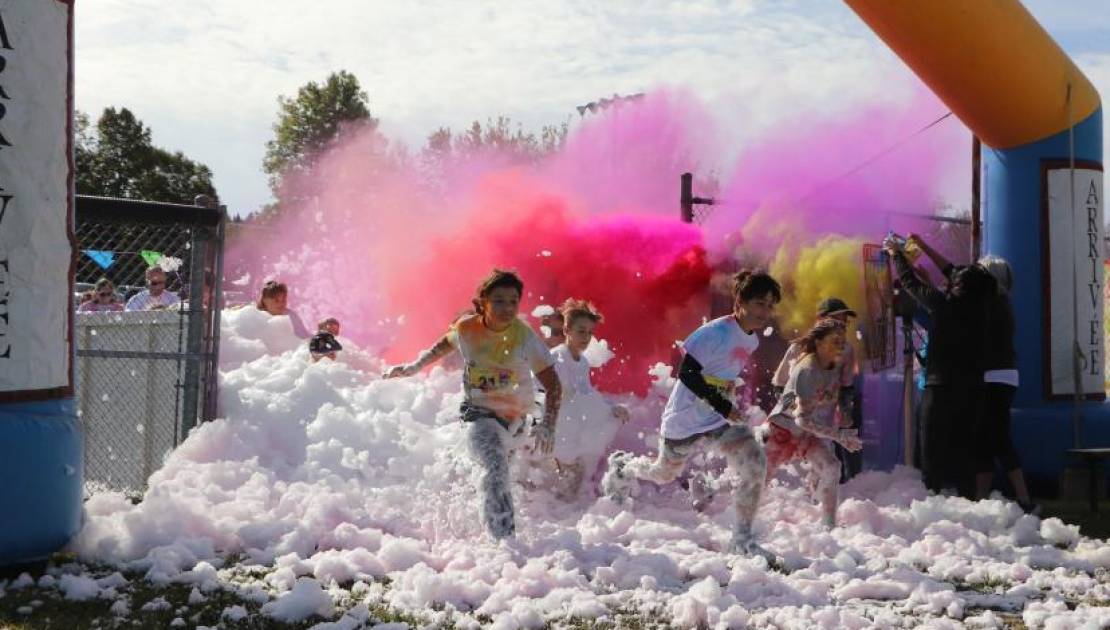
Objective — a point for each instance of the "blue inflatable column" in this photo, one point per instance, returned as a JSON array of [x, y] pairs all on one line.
[[1014, 214], [41, 479]]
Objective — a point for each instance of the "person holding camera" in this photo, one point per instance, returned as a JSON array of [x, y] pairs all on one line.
[[958, 317]]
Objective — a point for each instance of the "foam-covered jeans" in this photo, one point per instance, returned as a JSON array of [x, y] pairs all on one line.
[[488, 436]]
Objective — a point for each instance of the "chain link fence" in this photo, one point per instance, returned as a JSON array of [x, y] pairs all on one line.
[[144, 377]]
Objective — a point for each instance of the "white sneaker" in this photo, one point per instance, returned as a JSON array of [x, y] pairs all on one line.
[[744, 544], [615, 484]]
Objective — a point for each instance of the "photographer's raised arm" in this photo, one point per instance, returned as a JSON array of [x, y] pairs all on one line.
[[928, 296], [942, 263]]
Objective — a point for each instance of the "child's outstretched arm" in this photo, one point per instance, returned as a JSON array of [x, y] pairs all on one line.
[[938, 258], [553, 395], [442, 348]]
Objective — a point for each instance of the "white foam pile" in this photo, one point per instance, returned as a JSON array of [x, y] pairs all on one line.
[[321, 479]]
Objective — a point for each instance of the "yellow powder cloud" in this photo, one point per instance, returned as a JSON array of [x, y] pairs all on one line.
[[810, 273]]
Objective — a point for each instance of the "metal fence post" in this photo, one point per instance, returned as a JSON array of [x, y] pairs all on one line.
[[211, 381], [150, 406], [194, 340]]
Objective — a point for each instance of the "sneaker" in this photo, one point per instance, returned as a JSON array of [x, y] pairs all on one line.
[[702, 490], [744, 544], [615, 484]]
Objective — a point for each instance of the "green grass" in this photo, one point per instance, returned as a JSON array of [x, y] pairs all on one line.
[[50, 611]]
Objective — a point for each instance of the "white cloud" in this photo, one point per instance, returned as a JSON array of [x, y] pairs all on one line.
[[1097, 68], [206, 74]]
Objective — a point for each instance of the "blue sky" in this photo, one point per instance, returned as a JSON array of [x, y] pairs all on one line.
[[205, 74]]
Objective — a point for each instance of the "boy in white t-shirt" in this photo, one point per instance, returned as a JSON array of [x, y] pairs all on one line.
[[701, 411], [501, 353], [587, 423]]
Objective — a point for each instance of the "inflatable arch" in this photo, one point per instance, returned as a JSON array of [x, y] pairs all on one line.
[[41, 441], [1040, 121]]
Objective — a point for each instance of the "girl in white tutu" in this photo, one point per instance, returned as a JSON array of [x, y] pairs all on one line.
[[587, 423]]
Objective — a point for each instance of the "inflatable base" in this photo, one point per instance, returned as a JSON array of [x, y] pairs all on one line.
[[1043, 435], [42, 468]]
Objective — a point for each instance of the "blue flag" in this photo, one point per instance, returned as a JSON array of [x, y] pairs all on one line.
[[100, 257]]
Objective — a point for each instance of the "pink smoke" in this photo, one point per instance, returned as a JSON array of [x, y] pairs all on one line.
[[844, 175], [394, 244]]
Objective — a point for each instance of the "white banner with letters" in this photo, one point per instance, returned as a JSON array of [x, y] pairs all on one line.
[[35, 246], [1075, 274]]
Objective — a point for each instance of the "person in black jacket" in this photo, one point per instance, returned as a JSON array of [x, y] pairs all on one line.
[[1000, 382], [957, 359]]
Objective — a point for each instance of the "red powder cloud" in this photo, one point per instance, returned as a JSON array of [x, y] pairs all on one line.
[[648, 275]]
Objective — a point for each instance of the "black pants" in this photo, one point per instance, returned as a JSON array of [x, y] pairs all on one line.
[[852, 463], [992, 434], [949, 414]]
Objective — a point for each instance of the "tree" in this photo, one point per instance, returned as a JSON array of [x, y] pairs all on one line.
[[119, 160], [499, 136], [309, 123]]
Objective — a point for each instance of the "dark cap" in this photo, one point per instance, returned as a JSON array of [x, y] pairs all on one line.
[[834, 306]]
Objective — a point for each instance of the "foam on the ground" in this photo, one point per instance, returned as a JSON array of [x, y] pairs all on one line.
[[322, 475]]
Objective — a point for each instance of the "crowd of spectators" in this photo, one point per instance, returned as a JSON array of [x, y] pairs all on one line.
[[103, 296]]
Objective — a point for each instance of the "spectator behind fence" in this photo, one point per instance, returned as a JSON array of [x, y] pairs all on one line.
[[103, 298], [275, 301], [323, 343], [154, 296]]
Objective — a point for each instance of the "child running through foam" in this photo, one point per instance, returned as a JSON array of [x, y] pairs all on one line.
[[803, 424], [835, 308], [700, 412], [587, 423], [501, 353]]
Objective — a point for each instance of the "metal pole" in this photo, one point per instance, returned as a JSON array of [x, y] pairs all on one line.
[[211, 399], [194, 339], [909, 441], [686, 200], [976, 216], [150, 406]]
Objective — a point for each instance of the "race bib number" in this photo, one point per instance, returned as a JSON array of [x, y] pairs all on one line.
[[489, 379]]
